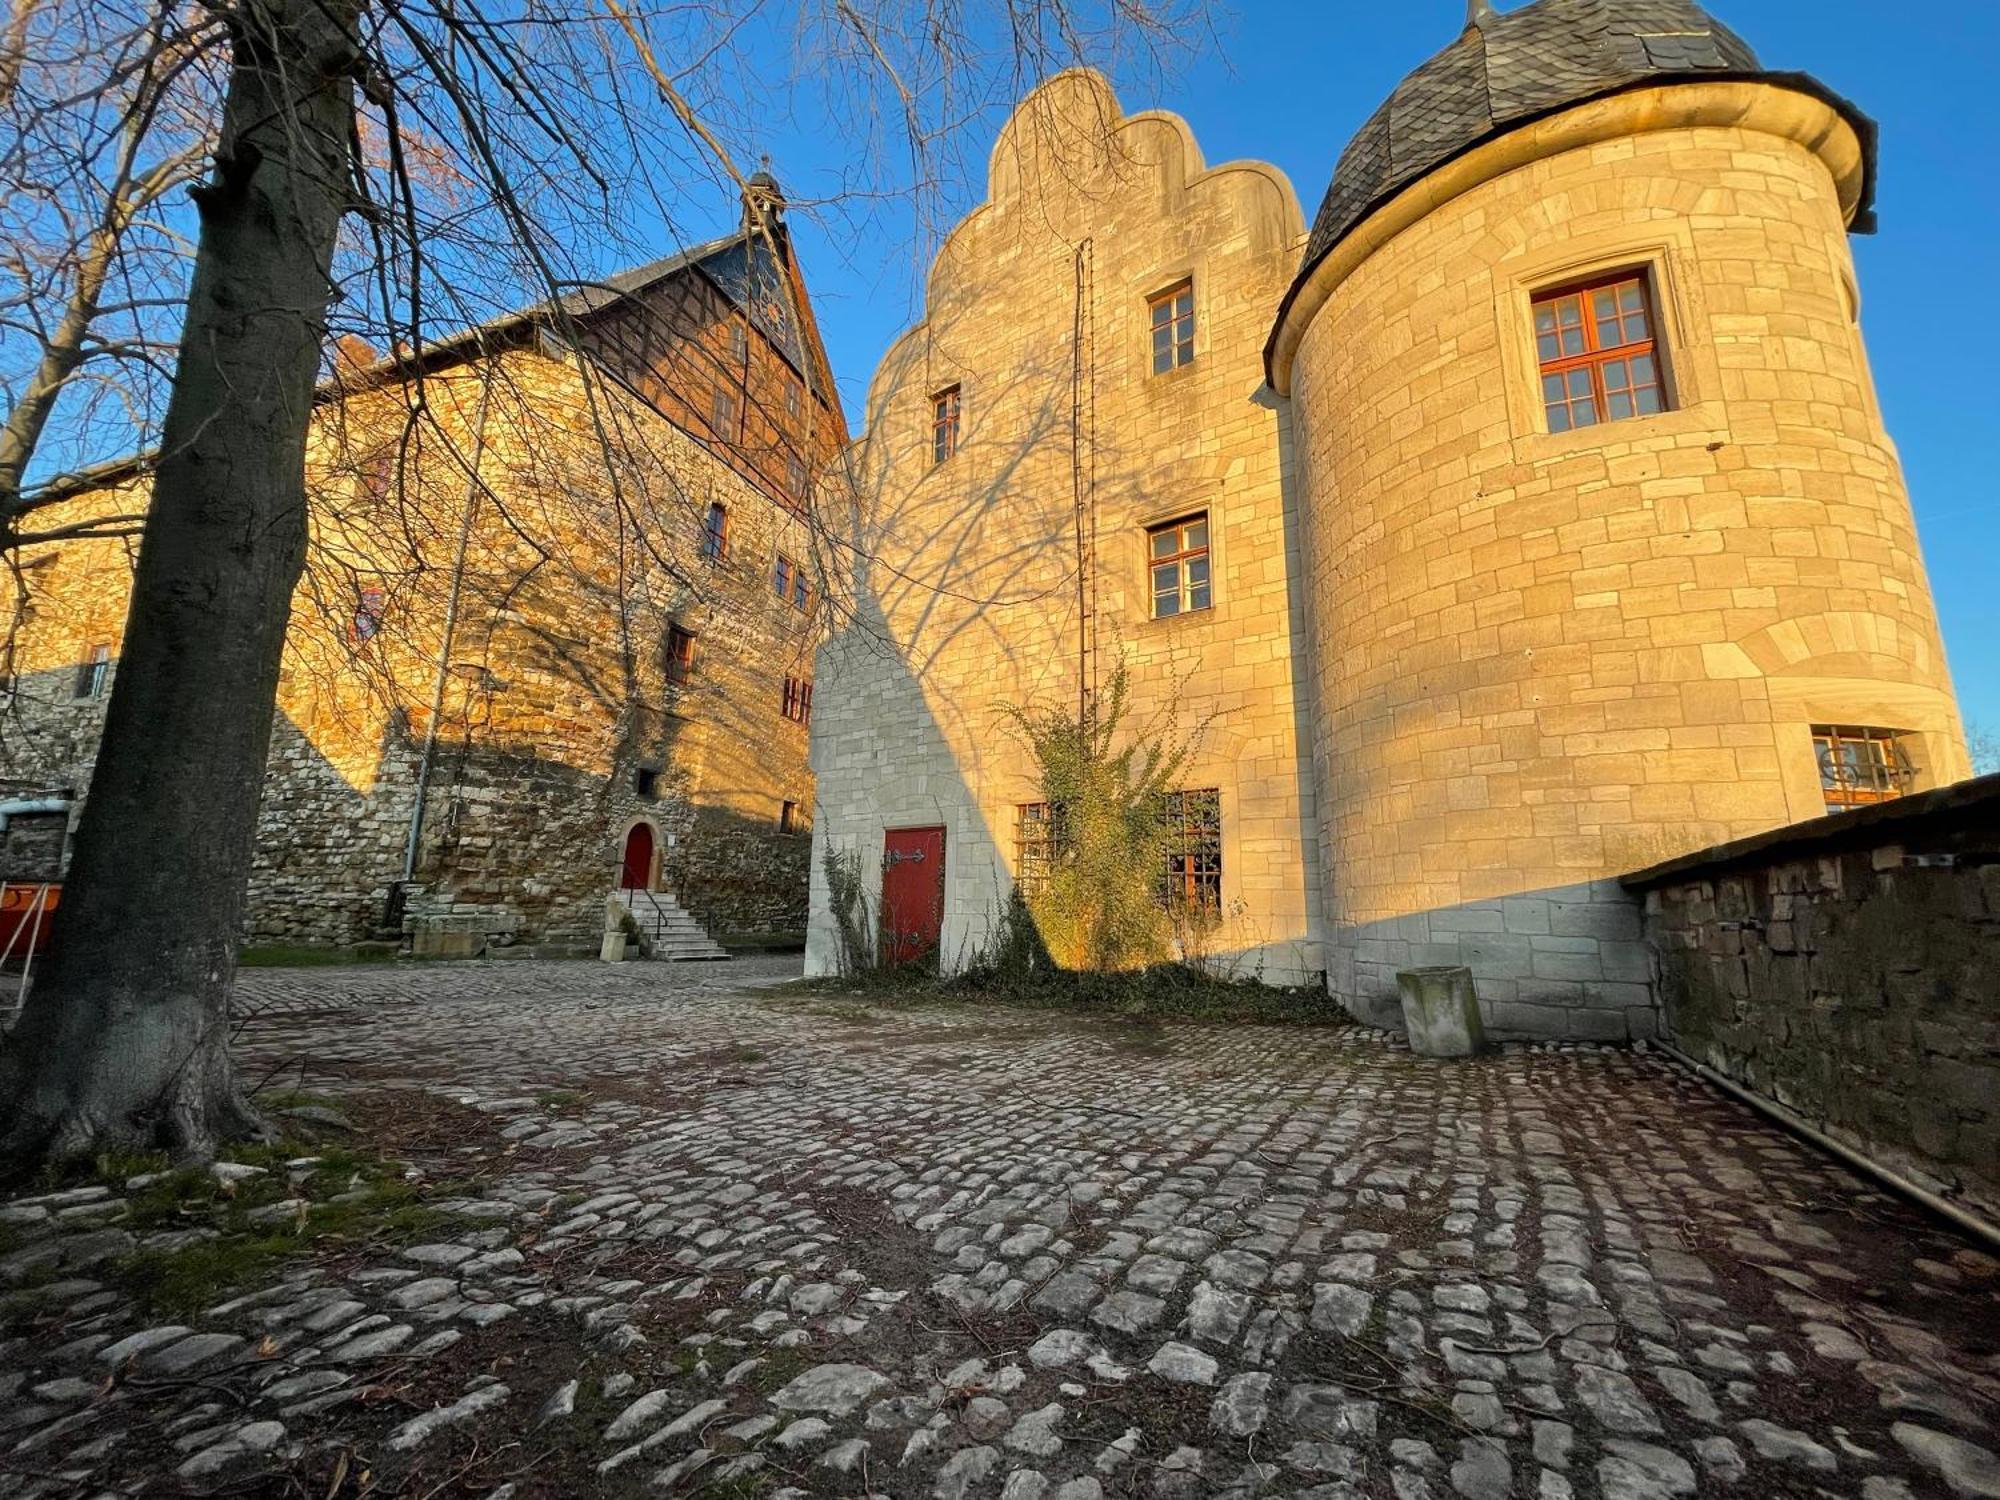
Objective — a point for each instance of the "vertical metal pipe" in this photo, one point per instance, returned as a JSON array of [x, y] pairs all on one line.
[[429, 753]]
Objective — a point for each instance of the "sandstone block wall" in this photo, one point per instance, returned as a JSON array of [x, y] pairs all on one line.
[[1849, 969], [962, 576], [1546, 659], [555, 690]]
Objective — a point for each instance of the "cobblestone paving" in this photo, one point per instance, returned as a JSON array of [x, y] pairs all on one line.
[[736, 1244]]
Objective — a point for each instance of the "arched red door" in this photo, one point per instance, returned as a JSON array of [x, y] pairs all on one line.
[[638, 872]]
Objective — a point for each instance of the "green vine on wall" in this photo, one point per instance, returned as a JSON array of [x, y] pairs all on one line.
[[1096, 901]]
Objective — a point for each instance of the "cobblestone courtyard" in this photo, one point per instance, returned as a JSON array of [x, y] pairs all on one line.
[[727, 1240]]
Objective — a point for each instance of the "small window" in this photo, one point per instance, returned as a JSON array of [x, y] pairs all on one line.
[[715, 533], [91, 674], [1598, 354], [1034, 847], [944, 424], [1193, 880], [791, 819], [680, 654], [795, 476], [792, 584], [369, 612], [1172, 314], [722, 414], [799, 699], [794, 399], [378, 474], [646, 781], [739, 342], [1177, 559], [1858, 766]]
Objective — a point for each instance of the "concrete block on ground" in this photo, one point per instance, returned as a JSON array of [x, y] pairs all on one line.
[[1441, 1011]]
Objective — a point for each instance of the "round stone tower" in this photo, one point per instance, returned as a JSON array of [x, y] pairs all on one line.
[[1608, 555]]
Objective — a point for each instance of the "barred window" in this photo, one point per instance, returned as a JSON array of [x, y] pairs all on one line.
[[715, 532], [1193, 877], [1858, 766], [1034, 846], [799, 699]]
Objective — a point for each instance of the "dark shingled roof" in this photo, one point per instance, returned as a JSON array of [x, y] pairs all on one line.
[[1507, 69]]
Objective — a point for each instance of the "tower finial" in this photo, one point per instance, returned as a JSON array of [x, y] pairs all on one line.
[[1477, 11]]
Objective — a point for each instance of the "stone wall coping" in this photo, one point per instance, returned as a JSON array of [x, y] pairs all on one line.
[[1858, 828]]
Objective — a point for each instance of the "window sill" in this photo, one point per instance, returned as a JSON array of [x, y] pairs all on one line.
[[1185, 617], [1702, 420]]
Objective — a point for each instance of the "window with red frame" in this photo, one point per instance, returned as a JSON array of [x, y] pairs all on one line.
[[369, 611], [792, 585], [680, 654], [1171, 314], [1598, 348], [715, 533], [944, 424], [799, 699]]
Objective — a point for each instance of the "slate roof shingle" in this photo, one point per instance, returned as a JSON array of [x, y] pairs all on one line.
[[1508, 68]]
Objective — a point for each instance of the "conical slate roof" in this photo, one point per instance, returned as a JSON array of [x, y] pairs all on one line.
[[1508, 68]]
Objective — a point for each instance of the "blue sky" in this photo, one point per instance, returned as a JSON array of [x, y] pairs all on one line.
[[1289, 80]]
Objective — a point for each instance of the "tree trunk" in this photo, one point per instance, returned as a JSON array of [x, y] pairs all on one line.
[[124, 1041]]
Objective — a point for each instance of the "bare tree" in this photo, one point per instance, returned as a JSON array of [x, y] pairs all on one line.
[[501, 151], [1984, 745], [105, 117]]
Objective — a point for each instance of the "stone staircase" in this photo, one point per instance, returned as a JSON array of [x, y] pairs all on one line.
[[666, 931]]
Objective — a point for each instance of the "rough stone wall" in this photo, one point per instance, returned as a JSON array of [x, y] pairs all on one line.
[[1546, 658], [962, 574], [556, 690], [1849, 970]]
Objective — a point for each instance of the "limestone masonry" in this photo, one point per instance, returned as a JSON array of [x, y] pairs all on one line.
[[1529, 521], [549, 637]]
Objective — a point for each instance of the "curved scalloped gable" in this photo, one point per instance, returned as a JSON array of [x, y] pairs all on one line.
[[1070, 164]]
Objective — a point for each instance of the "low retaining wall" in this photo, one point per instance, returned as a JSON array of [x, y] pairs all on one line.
[[1849, 968]]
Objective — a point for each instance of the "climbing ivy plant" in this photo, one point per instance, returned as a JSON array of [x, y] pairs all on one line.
[[1097, 903]]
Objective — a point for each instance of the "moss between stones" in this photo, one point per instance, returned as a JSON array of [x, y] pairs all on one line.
[[349, 1200]]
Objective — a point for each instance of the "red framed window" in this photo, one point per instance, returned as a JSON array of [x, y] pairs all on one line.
[[680, 654], [1194, 850], [1858, 766], [369, 611], [792, 585], [944, 424], [1172, 317], [1598, 347], [1177, 558], [799, 699], [715, 533]]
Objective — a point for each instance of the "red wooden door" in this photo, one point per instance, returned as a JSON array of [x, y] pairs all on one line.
[[912, 893], [638, 872]]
